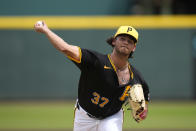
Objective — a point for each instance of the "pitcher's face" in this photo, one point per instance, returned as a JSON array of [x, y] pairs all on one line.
[[124, 45]]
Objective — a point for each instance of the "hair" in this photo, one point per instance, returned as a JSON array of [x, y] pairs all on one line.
[[110, 40]]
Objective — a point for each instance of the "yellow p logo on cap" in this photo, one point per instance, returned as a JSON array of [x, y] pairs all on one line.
[[128, 30]]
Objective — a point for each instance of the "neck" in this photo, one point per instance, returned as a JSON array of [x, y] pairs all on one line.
[[119, 61]]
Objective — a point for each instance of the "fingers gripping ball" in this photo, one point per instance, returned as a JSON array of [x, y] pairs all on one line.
[[40, 23], [40, 26], [137, 102]]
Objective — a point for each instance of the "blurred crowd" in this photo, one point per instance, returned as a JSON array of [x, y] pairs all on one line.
[[142, 7]]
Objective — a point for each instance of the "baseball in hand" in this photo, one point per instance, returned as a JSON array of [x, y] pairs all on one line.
[[40, 23]]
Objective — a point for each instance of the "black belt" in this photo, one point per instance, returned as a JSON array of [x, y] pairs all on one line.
[[91, 116]]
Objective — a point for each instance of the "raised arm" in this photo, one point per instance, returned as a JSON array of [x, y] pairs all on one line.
[[57, 42]]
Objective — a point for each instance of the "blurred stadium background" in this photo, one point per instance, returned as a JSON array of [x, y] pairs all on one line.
[[38, 85]]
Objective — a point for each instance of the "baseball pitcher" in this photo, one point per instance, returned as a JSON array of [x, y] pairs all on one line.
[[106, 81]]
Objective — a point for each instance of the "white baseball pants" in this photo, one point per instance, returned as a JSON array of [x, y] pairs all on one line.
[[82, 122]]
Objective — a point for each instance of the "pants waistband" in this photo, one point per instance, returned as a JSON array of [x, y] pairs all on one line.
[[91, 116]]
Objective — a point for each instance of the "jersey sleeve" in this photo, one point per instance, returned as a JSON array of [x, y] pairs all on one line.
[[144, 85], [87, 59], [145, 89]]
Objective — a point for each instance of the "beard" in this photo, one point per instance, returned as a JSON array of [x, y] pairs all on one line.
[[123, 51]]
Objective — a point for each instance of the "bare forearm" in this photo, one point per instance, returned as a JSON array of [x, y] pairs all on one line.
[[58, 42], [62, 46]]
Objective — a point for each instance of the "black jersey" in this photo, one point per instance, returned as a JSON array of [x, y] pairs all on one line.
[[99, 92]]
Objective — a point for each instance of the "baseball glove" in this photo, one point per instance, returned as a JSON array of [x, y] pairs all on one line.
[[137, 102]]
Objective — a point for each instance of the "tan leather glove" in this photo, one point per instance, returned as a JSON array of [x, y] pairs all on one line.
[[137, 102]]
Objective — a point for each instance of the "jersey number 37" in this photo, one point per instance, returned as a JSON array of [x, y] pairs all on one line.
[[102, 101]]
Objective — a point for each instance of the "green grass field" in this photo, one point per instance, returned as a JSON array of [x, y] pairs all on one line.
[[59, 115]]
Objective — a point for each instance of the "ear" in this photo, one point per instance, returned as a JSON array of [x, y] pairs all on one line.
[[113, 42], [134, 48]]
